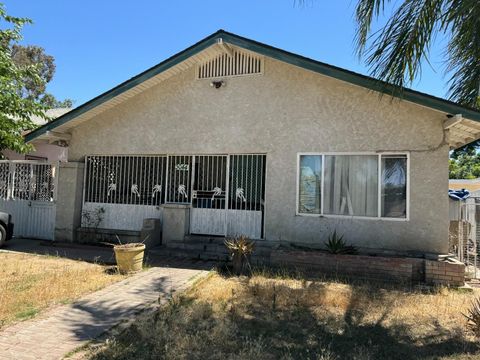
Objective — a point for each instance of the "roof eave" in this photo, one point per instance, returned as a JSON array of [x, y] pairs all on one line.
[[413, 96]]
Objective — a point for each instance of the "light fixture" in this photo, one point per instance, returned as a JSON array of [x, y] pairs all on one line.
[[217, 84]]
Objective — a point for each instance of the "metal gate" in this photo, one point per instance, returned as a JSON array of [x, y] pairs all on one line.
[[121, 191], [209, 195], [226, 192], [228, 195], [28, 193], [464, 234]]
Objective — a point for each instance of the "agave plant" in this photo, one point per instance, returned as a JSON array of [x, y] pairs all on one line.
[[240, 248], [336, 245], [473, 317]]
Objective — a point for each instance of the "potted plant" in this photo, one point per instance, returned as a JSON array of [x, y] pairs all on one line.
[[129, 257], [240, 248]]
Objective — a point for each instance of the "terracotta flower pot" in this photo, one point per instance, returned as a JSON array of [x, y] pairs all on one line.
[[129, 257]]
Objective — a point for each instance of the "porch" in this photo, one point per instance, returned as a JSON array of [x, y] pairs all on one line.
[[213, 195]]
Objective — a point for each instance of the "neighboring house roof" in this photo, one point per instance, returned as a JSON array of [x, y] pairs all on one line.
[[51, 113], [464, 125], [469, 184]]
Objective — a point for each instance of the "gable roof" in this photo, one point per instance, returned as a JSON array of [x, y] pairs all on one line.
[[467, 115]]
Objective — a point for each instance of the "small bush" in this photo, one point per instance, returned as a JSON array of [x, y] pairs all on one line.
[[336, 245], [473, 317], [240, 248]]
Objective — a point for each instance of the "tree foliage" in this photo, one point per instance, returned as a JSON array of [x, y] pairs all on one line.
[[15, 109], [396, 52], [51, 102], [465, 165], [35, 55]]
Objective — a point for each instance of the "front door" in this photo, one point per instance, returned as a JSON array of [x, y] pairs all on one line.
[[209, 184], [228, 195]]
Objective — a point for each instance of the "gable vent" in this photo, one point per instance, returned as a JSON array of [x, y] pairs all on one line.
[[237, 63]]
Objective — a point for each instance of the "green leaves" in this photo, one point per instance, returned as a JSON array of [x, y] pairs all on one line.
[[465, 165], [395, 53], [15, 111]]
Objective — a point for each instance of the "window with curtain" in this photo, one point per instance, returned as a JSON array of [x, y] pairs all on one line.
[[310, 183], [351, 185], [394, 186]]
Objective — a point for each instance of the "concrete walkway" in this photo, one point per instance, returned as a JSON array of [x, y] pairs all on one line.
[[65, 328]]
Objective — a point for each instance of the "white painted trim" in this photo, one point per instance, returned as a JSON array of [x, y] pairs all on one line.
[[265, 197], [297, 182], [456, 119], [379, 185], [408, 188]]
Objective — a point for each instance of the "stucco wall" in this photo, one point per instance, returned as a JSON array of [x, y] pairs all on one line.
[[285, 111], [69, 200], [42, 150]]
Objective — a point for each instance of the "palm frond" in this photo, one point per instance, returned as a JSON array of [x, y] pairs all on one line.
[[397, 52], [365, 12], [463, 52]]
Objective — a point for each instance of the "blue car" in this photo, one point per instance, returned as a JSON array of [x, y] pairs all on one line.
[[6, 227]]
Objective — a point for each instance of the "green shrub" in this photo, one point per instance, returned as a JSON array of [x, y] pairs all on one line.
[[336, 245], [240, 248], [473, 317]]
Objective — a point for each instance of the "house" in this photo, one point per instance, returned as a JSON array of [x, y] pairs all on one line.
[[231, 136], [44, 150]]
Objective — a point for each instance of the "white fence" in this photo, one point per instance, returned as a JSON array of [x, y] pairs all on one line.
[[28, 193], [464, 234]]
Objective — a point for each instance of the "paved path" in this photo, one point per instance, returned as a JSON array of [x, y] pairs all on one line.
[[65, 328]]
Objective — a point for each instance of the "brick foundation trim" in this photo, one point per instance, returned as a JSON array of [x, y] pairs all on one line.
[[446, 272], [377, 268]]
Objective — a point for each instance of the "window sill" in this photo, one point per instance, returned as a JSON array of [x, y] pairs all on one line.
[[353, 217]]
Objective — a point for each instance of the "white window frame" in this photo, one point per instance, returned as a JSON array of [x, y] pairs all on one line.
[[378, 217]]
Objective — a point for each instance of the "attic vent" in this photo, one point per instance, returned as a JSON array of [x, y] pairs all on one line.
[[237, 64]]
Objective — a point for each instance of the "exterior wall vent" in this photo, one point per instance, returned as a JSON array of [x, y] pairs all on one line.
[[237, 63]]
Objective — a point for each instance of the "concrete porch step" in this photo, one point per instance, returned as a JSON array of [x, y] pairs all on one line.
[[189, 253]]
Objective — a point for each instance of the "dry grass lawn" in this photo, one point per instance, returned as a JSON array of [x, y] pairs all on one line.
[[31, 283], [271, 317]]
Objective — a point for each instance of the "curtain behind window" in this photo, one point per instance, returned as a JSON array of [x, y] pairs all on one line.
[[310, 182], [394, 186], [351, 185]]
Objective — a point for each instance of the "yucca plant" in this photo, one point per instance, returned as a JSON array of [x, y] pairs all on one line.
[[473, 317], [240, 248], [336, 245]]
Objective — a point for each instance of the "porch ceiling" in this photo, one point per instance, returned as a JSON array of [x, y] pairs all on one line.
[[461, 131]]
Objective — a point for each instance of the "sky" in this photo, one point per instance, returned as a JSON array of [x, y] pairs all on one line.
[[98, 44]]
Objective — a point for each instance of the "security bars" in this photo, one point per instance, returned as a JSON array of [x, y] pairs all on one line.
[[247, 187], [227, 192], [124, 179], [24, 180]]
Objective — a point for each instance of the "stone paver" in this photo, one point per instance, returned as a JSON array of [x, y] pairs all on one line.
[[65, 328]]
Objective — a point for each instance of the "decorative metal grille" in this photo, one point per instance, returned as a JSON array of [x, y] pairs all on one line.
[[247, 182], [210, 182], [42, 182], [153, 180], [179, 179], [27, 181], [237, 64], [464, 239], [4, 180], [138, 180]]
